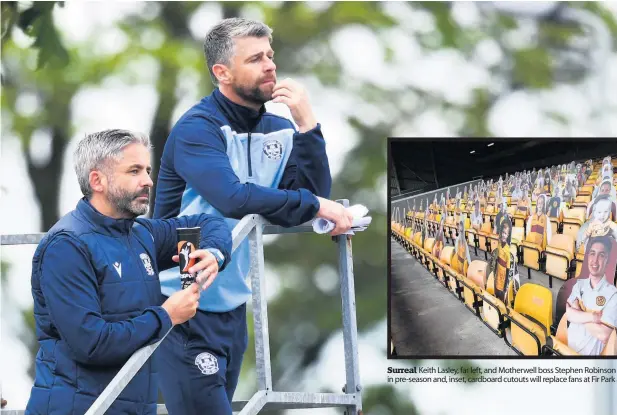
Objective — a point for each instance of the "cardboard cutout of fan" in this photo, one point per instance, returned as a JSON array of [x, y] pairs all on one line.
[[593, 291]]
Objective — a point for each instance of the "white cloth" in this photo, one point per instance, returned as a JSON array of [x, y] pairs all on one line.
[[360, 221]]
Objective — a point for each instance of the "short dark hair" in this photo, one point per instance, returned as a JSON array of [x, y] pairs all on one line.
[[604, 240]]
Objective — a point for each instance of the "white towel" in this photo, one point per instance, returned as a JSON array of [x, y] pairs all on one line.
[[360, 221]]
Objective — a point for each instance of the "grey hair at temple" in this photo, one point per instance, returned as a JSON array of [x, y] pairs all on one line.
[[95, 151], [219, 43]]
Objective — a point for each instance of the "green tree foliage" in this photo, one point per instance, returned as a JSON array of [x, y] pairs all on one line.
[[36, 21]]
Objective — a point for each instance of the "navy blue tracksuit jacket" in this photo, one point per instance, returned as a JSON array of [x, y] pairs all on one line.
[[97, 300]]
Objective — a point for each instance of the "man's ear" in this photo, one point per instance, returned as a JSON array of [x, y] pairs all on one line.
[[98, 181], [222, 74]]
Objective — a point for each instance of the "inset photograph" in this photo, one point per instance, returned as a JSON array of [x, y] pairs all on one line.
[[502, 248]]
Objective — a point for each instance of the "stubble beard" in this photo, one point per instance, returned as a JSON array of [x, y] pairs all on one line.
[[126, 203], [252, 94]]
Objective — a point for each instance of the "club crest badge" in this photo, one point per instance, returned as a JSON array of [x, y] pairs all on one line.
[[147, 263], [600, 300], [207, 363], [273, 149]]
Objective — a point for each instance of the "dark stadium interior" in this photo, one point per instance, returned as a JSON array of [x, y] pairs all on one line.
[[421, 166]]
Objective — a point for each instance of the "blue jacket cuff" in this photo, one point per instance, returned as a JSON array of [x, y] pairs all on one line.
[[316, 129], [164, 321]]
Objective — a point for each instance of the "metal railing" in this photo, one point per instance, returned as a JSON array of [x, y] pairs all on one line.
[[406, 201], [254, 227]]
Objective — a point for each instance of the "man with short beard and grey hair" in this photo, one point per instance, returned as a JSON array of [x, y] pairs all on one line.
[[229, 157], [95, 282]]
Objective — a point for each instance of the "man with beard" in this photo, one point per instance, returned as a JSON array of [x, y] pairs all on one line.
[[229, 157], [97, 296]]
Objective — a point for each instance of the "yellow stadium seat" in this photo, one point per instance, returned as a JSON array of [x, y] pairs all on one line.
[[587, 189], [426, 252], [518, 235], [579, 257], [488, 212], [483, 235], [559, 258], [572, 222], [554, 225], [531, 319], [415, 244], [407, 238], [472, 239], [532, 256], [520, 220], [558, 344], [473, 285], [580, 205], [444, 261], [433, 259], [450, 227], [493, 240], [494, 311], [583, 198]]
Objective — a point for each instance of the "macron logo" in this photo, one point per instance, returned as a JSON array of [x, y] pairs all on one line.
[[118, 267]]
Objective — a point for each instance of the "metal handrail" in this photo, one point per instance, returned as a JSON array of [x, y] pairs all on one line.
[[253, 227]]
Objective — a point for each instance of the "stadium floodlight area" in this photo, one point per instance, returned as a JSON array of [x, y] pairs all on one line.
[[254, 227]]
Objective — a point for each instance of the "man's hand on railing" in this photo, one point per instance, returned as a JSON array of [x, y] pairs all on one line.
[[207, 267], [336, 213], [182, 305]]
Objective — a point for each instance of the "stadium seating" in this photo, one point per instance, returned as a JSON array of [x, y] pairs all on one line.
[[518, 235], [580, 205], [494, 311], [483, 235], [444, 261], [555, 225], [526, 322], [560, 258], [572, 221], [426, 251], [473, 285], [531, 319]]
